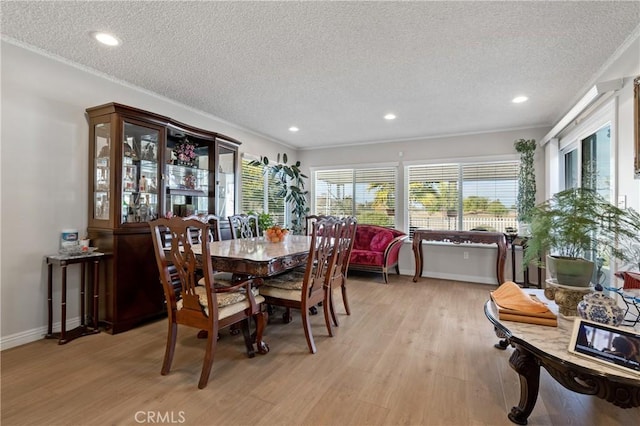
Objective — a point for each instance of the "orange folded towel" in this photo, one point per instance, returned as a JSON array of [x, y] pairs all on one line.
[[510, 296]]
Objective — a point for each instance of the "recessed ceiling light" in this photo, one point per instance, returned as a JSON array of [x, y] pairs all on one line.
[[520, 99], [293, 129], [106, 39], [390, 117]]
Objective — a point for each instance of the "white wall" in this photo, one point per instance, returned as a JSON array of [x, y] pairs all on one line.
[[44, 172], [441, 260]]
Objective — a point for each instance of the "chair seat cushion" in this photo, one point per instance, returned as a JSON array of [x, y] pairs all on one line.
[[366, 257], [280, 293], [291, 280], [228, 303]]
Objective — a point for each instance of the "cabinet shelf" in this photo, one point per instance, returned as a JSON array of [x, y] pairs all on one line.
[[187, 192]]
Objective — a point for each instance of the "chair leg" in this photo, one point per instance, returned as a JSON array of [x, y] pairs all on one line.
[[328, 312], [261, 319], [385, 276], [247, 337], [212, 341], [172, 334], [332, 309], [345, 300], [306, 324]]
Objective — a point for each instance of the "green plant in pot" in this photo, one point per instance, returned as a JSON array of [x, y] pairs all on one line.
[[526, 201], [290, 181], [572, 225]]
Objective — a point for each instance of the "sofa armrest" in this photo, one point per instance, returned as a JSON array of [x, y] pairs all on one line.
[[393, 249]]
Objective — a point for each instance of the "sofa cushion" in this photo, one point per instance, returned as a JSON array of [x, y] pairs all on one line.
[[380, 241], [366, 257]]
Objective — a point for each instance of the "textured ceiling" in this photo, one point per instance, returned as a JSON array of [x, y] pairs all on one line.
[[335, 68]]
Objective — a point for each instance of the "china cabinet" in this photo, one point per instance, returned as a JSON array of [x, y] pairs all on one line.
[[141, 166]]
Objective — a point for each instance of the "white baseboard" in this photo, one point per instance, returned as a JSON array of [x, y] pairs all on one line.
[[24, 337], [453, 277]]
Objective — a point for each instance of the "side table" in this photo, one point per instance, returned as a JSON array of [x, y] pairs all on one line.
[[85, 261], [514, 242]]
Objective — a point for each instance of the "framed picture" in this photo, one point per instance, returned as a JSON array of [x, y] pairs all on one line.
[[149, 150], [636, 126]]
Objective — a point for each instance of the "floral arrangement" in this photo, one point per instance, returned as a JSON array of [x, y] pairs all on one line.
[[185, 151]]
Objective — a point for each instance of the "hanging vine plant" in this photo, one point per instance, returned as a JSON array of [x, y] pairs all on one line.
[[290, 181], [526, 201]]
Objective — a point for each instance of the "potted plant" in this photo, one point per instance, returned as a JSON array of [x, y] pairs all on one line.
[[290, 181], [526, 201], [573, 223], [265, 220]]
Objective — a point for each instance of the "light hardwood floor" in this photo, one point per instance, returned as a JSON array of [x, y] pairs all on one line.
[[410, 354]]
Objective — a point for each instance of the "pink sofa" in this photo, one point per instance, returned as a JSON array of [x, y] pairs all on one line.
[[376, 249]]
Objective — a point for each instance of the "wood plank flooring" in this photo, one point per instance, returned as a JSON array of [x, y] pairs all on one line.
[[410, 354]]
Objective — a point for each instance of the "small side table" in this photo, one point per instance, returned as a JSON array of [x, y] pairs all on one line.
[[514, 242], [85, 260]]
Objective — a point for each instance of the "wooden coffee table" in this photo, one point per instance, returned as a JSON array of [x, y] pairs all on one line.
[[537, 345]]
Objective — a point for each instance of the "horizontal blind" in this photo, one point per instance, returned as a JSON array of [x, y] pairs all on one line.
[[463, 196], [375, 195], [333, 192], [260, 194], [252, 188], [368, 194]]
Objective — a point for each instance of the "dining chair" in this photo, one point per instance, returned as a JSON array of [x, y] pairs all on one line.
[[298, 290], [213, 233], [244, 226], [313, 218], [205, 307], [339, 277]]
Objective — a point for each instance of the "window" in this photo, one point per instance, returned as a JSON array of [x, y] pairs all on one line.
[[463, 196], [367, 193], [259, 193]]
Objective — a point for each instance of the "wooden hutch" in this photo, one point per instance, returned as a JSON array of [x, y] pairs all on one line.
[[142, 166]]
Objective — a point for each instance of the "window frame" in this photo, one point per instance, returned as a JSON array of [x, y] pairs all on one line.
[[460, 162], [353, 168]]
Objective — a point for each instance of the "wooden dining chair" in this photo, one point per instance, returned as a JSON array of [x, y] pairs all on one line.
[[313, 218], [339, 277], [244, 226], [205, 307], [213, 233], [298, 290]]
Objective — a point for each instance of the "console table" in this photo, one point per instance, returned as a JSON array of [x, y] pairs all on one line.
[[460, 237], [537, 345], [63, 261]]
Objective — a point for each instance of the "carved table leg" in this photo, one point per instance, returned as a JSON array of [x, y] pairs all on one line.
[[502, 344], [526, 365], [417, 253]]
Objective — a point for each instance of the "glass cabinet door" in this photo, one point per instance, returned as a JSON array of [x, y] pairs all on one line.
[[188, 175], [139, 174], [226, 181], [102, 171]]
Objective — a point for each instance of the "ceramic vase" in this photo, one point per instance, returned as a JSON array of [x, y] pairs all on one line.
[[600, 308]]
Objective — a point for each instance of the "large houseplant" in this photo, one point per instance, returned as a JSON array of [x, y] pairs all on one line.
[[573, 224], [290, 181], [526, 201]]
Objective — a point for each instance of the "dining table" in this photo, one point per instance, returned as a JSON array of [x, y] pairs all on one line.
[[258, 257]]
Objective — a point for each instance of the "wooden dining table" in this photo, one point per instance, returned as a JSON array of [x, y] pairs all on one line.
[[257, 257]]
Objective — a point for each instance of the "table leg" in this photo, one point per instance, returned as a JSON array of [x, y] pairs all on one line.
[[63, 315], [50, 300], [417, 253], [528, 369]]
